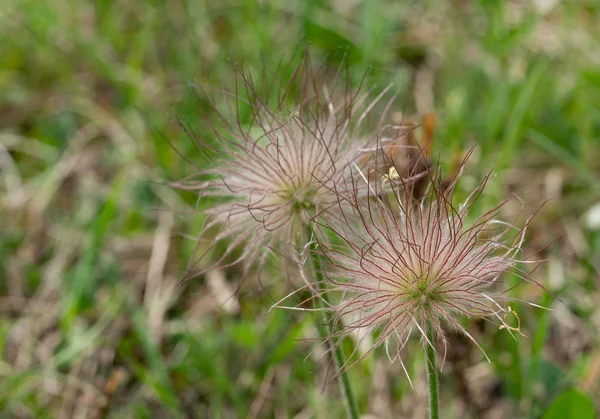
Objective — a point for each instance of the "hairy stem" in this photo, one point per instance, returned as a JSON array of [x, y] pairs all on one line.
[[325, 327], [432, 375]]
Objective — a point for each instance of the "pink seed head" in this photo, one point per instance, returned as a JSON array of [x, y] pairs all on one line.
[[412, 261]]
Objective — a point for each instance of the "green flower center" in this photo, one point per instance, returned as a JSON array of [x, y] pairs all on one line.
[[424, 293], [303, 199]]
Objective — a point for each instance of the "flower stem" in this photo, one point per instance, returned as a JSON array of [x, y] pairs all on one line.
[[432, 375], [325, 327]]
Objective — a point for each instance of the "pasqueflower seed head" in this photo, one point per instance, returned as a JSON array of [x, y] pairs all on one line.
[[278, 162], [412, 262]]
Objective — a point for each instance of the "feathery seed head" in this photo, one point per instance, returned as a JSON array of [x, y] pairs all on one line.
[[410, 262], [279, 162]]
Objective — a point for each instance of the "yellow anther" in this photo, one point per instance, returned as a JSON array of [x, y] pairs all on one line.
[[392, 175], [509, 310]]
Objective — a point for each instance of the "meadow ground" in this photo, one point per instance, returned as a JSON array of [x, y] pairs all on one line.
[[93, 321]]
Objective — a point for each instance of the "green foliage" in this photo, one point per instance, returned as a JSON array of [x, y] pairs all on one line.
[[571, 404]]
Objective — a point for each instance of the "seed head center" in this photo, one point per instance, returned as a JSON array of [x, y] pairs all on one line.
[[303, 198], [423, 293]]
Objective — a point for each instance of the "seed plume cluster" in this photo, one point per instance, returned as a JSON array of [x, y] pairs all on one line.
[[279, 168], [412, 262], [393, 253]]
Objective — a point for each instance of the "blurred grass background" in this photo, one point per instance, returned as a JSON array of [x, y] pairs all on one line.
[[93, 323]]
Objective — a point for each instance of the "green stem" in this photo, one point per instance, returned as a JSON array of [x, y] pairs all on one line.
[[325, 327], [432, 375]]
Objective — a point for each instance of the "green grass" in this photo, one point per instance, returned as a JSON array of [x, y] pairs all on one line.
[[93, 322]]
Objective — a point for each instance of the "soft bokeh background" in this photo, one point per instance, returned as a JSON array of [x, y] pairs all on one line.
[[93, 323]]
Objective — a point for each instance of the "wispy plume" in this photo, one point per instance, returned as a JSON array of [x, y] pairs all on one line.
[[413, 262], [280, 155]]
